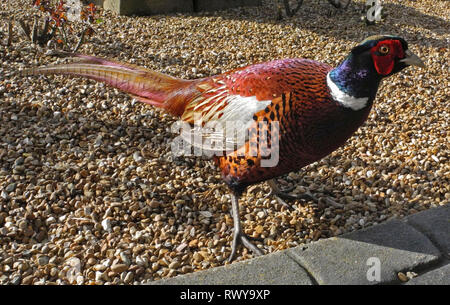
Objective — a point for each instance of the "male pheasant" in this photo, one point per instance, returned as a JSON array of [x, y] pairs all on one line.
[[317, 108]]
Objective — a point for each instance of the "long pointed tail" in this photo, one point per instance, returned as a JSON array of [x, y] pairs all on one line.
[[145, 85]]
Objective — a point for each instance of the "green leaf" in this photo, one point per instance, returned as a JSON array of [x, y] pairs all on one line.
[[99, 20]]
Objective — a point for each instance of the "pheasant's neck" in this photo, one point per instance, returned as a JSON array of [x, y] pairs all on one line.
[[354, 83]]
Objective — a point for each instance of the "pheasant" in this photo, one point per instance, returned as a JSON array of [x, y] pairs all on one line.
[[316, 108]]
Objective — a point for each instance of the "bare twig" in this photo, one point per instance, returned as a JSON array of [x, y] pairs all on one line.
[[63, 34], [80, 42], [45, 29], [34, 33], [52, 33], [25, 29], [10, 33]]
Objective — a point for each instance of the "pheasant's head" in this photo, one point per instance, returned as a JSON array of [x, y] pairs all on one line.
[[387, 54], [354, 83]]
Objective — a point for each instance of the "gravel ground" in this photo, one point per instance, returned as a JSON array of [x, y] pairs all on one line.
[[89, 191]]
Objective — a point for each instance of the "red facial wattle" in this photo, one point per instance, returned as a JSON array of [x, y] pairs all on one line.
[[384, 64]]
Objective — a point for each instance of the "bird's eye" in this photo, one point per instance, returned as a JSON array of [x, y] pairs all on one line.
[[384, 50]]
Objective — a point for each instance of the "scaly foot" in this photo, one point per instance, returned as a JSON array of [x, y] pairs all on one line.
[[242, 238], [238, 235], [283, 194]]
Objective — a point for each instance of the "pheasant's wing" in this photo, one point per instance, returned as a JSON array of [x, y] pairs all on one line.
[[220, 115], [232, 103]]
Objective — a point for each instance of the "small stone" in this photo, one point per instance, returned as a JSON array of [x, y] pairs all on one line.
[[16, 280], [261, 215], [100, 267], [125, 258], [27, 280], [137, 157], [259, 229], [141, 261], [43, 260], [181, 247], [110, 253], [174, 265], [50, 220], [10, 188], [411, 274], [98, 276], [80, 280], [206, 214], [53, 271], [402, 277], [75, 269], [129, 277], [119, 268], [5, 195], [154, 204], [198, 257], [155, 267], [23, 266], [106, 225]]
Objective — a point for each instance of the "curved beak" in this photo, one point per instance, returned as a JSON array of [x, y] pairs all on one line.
[[412, 59]]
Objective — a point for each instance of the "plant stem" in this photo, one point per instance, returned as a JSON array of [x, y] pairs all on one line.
[[80, 42], [25, 29], [45, 29], [10, 33], [63, 33], [34, 32]]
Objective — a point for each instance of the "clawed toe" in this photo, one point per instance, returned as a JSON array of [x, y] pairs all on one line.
[[283, 194], [241, 238]]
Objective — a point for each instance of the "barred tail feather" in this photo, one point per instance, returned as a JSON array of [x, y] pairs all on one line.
[[145, 85]]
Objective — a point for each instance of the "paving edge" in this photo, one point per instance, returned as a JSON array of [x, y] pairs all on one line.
[[408, 244]]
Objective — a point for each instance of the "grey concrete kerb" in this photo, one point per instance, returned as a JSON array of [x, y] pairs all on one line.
[[419, 243]]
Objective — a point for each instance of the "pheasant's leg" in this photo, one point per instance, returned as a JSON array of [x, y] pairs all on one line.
[[283, 194], [238, 235]]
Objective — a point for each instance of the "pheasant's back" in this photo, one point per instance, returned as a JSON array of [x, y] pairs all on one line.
[[268, 80]]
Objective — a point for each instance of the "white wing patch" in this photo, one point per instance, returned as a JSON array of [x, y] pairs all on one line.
[[227, 111], [348, 101], [242, 109]]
